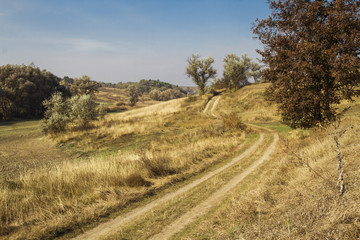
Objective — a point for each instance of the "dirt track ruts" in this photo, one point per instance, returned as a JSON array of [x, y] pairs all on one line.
[[114, 225], [214, 199]]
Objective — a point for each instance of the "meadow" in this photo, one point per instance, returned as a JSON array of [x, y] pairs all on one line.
[[76, 180], [124, 157]]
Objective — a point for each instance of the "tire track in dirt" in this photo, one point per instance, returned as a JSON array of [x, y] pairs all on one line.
[[216, 101], [214, 106], [207, 106], [115, 224], [214, 199]]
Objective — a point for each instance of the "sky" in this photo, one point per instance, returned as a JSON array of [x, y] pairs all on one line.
[[126, 40]]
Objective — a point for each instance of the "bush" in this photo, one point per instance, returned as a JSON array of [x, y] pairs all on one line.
[[232, 121], [166, 95], [134, 95], [78, 109], [155, 94], [56, 115], [83, 110]]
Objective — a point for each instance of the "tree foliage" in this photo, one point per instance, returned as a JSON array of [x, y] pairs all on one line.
[[145, 86], [77, 110], [166, 95], [312, 52], [23, 89], [56, 115], [236, 70], [83, 110], [200, 71], [134, 94], [256, 71], [83, 86]]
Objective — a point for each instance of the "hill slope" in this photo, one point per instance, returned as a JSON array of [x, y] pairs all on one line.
[[141, 155]]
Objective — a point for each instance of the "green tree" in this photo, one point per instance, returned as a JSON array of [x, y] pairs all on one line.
[[256, 71], [83, 85], [155, 94], [200, 71], [312, 53], [83, 110], [23, 89], [236, 70], [134, 94], [56, 116], [78, 110]]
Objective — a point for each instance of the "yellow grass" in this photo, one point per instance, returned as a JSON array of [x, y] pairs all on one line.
[[49, 201], [285, 199], [131, 154], [250, 105]]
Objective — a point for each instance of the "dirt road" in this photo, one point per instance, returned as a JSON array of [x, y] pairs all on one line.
[[214, 101], [116, 224], [214, 199]]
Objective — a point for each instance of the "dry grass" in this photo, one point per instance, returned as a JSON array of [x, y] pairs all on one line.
[[117, 100], [249, 104], [285, 200], [173, 146], [24, 148], [131, 154]]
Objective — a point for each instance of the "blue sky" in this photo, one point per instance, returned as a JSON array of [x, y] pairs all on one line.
[[118, 40]]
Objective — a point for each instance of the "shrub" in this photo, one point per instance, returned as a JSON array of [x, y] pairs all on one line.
[[158, 166], [134, 95], [56, 115], [79, 109], [232, 121], [83, 110], [155, 94]]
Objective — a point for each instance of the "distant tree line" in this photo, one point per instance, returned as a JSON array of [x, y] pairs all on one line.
[[144, 86], [24, 88], [166, 95]]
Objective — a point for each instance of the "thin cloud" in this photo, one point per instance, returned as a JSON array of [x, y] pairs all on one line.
[[85, 45]]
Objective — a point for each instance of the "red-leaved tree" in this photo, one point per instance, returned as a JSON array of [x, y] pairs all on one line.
[[312, 52]]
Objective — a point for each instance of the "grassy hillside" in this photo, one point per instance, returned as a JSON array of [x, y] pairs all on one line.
[[124, 158], [89, 175], [295, 194], [117, 100]]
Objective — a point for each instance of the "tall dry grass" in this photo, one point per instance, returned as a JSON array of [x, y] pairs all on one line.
[[49, 202], [249, 104], [288, 199]]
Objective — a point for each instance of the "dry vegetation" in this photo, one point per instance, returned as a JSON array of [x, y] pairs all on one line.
[[249, 104], [125, 157], [294, 195], [130, 155], [117, 100]]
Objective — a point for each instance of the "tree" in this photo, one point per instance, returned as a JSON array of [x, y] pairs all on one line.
[[78, 110], [256, 71], [83, 85], [134, 94], [56, 115], [83, 110], [312, 52], [155, 94], [236, 71], [200, 71], [23, 89]]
